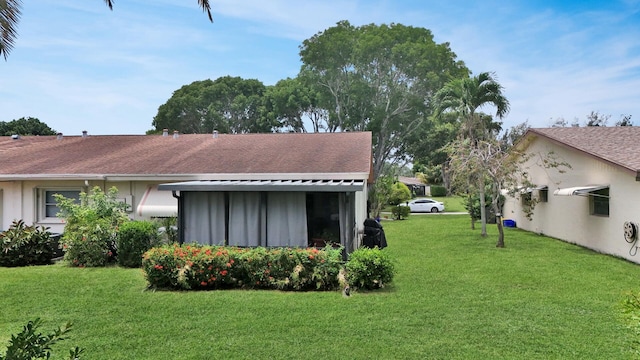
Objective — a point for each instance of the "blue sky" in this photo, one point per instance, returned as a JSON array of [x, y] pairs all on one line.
[[78, 66]]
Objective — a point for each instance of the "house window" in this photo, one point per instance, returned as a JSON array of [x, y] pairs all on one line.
[[599, 202], [543, 195], [49, 207]]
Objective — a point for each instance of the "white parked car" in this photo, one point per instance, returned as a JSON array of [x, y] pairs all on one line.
[[426, 205]]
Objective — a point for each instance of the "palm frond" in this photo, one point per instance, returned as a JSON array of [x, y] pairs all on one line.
[[10, 11], [206, 8]]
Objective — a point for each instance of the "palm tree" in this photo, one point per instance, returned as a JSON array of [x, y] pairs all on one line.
[[465, 97], [10, 11]]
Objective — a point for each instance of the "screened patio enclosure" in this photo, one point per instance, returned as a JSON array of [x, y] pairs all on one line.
[[270, 213]]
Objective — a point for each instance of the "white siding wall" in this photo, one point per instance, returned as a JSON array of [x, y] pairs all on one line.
[[568, 217]]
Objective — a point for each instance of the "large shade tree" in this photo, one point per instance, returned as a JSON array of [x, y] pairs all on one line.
[[465, 97], [293, 106], [227, 104], [10, 11], [378, 78], [25, 126]]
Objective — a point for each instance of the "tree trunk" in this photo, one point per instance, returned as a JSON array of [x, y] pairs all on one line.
[[483, 210], [498, 211], [500, 243], [446, 179], [473, 219]]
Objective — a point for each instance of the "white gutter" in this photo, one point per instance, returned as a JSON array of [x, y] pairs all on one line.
[[189, 177], [242, 176], [14, 177]]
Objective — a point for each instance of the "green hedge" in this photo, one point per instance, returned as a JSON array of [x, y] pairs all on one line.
[[134, 238], [213, 267], [197, 267], [438, 191]]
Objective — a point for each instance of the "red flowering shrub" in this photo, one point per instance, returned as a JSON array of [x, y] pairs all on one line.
[[215, 267]]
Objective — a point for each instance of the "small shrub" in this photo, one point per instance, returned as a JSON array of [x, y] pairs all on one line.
[[400, 212], [438, 191], [30, 344], [23, 245], [369, 268], [134, 238]]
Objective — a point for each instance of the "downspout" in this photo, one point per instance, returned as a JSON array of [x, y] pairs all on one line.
[[180, 216]]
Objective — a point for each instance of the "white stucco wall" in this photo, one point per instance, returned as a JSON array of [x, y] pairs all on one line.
[[21, 199], [568, 217]]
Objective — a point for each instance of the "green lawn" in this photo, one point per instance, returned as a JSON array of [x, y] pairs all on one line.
[[452, 203], [455, 296]]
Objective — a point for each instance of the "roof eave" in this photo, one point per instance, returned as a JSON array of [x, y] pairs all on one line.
[[189, 177]]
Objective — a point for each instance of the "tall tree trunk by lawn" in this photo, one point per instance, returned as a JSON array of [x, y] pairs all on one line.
[[483, 209]]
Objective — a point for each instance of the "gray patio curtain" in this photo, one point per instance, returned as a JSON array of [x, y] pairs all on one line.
[[347, 220], [204, 218], [245, 219], [287, 219]]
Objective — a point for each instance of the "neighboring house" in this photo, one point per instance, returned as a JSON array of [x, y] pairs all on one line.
[[593, 204], [417, 187], [251, 189]]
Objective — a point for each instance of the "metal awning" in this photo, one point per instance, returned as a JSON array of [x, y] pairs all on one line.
[[267, 185], [157, 203], [581, 190], [532, 189]]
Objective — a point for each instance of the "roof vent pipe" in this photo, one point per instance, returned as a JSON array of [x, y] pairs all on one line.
[[59, 136], [165, 132], [215, 134], [84, 133], [175, 134]]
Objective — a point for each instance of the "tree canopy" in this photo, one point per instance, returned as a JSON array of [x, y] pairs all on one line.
[[378, 78], [25, 126], [227, 104]]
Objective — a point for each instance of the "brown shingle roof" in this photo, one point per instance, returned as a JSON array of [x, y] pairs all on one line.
[[348, 152], [618, 145]]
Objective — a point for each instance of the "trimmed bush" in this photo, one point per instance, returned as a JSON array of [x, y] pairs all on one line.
[[134, 239], [23, 245], [369, 268], [399, 193], [438, 191], [400, 212], [213, 267]]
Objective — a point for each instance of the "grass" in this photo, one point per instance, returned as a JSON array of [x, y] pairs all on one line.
[[455, 296], [452, 203]]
